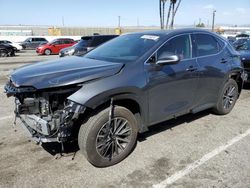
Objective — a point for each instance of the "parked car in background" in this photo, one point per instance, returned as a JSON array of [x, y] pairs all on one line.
[[14, 44], [86, 44], [55, 46], [244, 51], [231, 39], [33, 42], [7, 50], [239, 42], [106, 97]]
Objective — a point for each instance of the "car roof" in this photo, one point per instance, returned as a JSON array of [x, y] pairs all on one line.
[[174, 31], [92, 36], [64, 39]]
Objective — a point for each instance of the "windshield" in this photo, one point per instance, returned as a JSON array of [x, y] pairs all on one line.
[[55, 41], [126, 48]]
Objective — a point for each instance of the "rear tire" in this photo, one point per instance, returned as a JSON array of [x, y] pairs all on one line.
[[105, 147], [47, 51], [227, 98]]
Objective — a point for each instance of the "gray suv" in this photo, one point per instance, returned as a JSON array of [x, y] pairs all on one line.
[[33, 42], [106, 97]]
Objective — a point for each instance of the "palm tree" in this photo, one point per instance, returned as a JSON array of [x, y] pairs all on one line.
[[174, 10], [168, 17], [162, 12], [171, 12]]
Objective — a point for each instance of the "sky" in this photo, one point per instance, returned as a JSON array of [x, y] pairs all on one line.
[[132, 12]]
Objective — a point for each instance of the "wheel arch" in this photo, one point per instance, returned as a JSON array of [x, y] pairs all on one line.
[[237, 77], [128, 100]]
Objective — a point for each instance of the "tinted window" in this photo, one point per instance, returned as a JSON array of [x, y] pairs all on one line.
[[206, 45], [99, 40], [41, 39], [177, 46], [67, 41]]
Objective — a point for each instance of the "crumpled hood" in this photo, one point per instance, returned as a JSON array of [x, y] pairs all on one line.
[[64, 71]]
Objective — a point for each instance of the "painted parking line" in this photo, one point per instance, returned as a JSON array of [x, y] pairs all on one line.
[[178, 175], [5, 117]]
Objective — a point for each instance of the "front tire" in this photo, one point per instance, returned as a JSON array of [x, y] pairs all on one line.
[[3, 53], [47, 51], [227, 98], [105, 144]]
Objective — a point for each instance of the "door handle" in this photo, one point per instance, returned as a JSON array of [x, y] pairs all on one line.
[[223, 60], [191, 69]]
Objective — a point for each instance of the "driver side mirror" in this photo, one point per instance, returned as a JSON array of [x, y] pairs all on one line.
[[168, 60]]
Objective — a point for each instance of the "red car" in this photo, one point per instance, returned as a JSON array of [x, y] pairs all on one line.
[[55, 46]]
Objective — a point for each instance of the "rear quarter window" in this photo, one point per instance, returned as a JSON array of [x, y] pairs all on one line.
[[206, 45]]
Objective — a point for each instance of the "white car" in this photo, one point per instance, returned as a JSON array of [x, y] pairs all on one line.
[[14, 44]]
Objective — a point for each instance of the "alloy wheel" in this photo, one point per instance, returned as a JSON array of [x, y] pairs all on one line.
[[113, 138], [229, 96]]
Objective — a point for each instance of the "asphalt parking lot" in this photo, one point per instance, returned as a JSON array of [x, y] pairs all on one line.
[[201, 150]]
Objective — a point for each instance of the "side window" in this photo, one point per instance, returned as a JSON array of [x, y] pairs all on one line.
[[206, 45], [56, 42], [67, 41], [177, 46]]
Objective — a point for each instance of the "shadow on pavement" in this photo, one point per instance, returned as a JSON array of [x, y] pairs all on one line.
[[246, 86], [72, 147], [155, 129], [55, 148]]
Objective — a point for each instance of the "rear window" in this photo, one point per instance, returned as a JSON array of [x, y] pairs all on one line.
[[206, 45], [84, 42], [98, 40]]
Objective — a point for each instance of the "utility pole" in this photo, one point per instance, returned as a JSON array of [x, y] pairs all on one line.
[[62, 20], [119, 21], [213, 20]]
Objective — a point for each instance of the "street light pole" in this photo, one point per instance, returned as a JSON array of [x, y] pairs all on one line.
[[213, 20], [119, 21]]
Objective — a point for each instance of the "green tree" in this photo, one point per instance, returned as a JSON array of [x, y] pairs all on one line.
[[200, 25]]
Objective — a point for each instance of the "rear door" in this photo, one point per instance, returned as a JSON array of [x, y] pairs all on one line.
[[213, 60], [172, 88]]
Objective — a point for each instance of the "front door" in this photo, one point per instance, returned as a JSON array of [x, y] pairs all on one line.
[[172, 87]]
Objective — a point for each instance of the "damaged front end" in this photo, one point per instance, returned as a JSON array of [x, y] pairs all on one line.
[[46, 114]]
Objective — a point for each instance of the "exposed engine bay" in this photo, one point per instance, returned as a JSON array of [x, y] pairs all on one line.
[[46, 114]]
